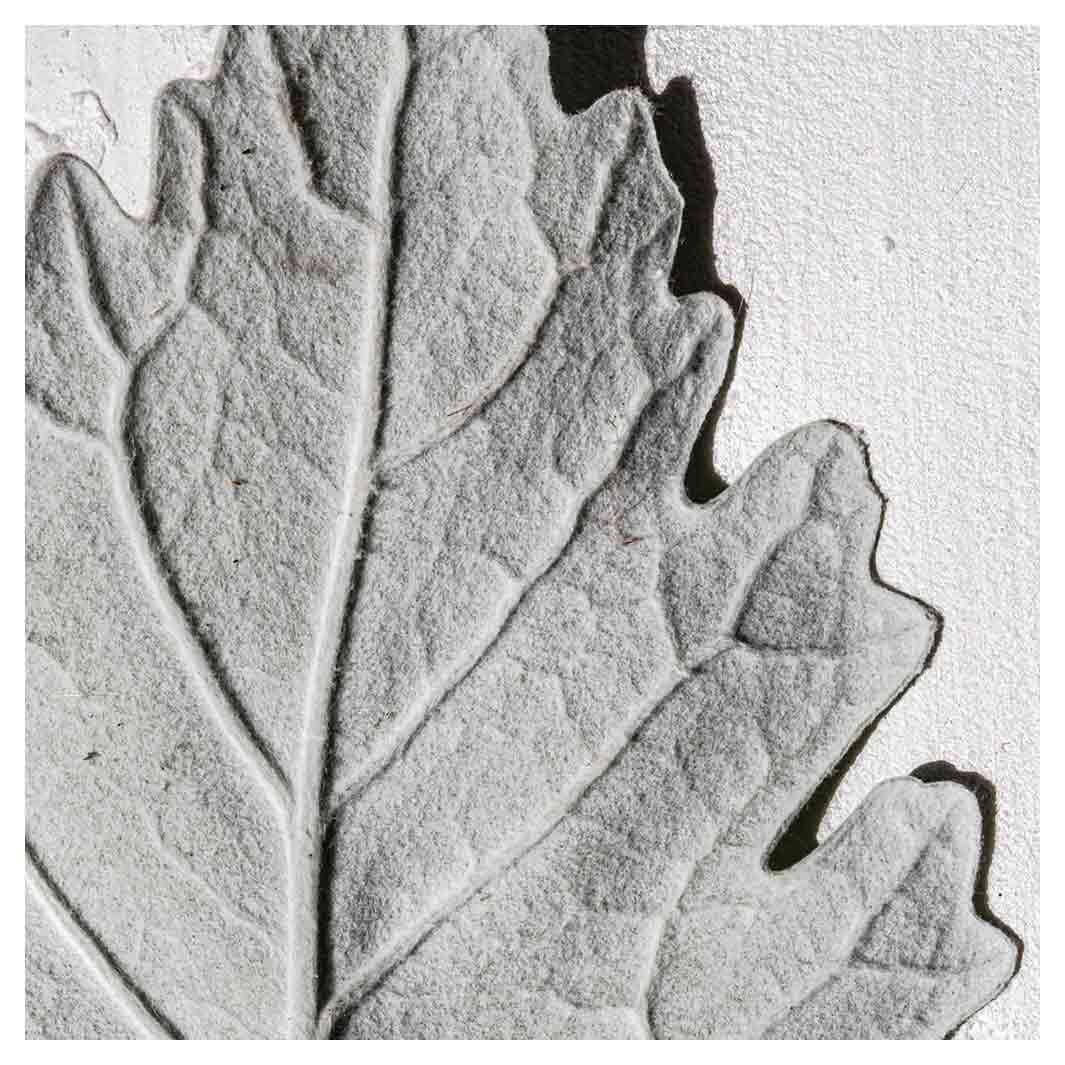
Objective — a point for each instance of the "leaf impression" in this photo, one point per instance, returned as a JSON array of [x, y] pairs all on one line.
[[382, 680]]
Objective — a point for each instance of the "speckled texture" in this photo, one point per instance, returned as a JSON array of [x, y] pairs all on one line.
[[879, 190], [922, 749]]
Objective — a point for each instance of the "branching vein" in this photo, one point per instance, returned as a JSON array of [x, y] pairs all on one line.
[[305, 840]]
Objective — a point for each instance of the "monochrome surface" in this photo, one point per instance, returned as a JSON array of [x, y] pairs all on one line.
[[382, 680]]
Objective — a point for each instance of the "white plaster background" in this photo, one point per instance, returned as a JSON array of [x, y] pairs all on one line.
[[879, 191]]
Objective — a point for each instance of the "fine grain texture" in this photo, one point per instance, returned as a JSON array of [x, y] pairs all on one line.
[[382, 680], [879, 205]]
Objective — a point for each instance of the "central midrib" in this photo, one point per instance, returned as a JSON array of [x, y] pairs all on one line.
[[339, 591]]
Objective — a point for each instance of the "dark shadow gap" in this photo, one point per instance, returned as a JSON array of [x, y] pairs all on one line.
[[986, 799], [586, 63], [802, 836]]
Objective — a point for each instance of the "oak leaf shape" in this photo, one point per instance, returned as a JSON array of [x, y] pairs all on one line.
[[382, 679]]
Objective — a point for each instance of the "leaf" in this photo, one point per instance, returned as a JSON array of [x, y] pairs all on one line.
[[381, 678]]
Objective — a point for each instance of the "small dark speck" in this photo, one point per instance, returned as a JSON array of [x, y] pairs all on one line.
[[236, 483], [223, 188], [247, 151], [235, 561], [889, 244], [91, 756]]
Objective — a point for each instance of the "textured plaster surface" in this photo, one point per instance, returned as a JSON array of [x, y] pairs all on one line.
[[895, 297], [879, 189], [89, 90]]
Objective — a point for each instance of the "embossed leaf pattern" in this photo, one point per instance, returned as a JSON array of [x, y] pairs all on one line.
[[381, 678]]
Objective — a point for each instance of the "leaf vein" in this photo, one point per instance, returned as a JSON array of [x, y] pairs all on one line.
[[119, 985], [341, 588]]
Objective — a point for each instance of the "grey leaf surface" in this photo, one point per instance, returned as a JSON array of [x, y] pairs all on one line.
[[382, 681]]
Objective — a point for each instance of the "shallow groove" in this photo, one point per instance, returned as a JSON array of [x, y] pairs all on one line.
[[144, 1015], [174, 615], [306, 891], [366, 473]]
